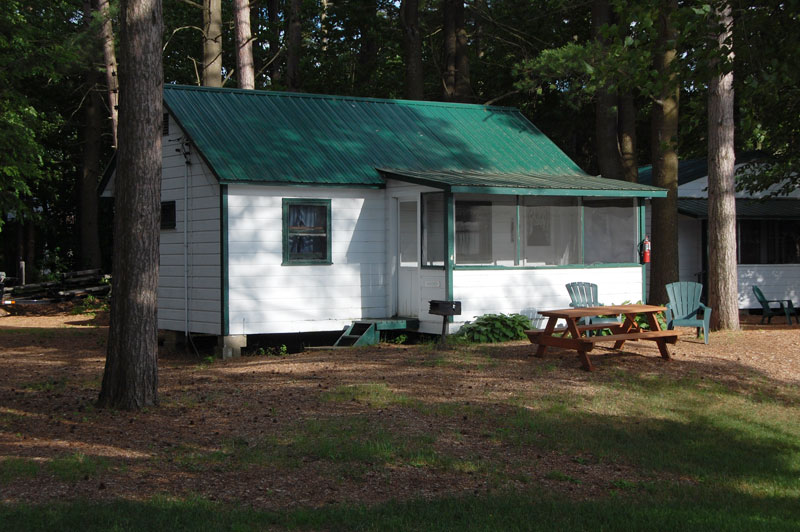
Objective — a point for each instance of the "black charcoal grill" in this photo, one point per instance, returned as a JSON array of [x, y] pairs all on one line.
[[444, 309]]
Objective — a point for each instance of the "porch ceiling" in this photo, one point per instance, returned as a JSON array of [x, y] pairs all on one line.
[[523, 184]]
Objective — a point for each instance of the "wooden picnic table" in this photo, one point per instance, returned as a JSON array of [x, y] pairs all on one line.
[[573, 336]]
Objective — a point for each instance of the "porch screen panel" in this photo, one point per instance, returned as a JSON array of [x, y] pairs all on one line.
[[551, 231], [610, 231], [433, 229], [486, 230]]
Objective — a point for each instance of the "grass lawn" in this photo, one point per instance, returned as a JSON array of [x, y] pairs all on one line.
[[406, 438]]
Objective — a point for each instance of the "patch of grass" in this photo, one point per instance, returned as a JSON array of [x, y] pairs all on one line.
[[527, 510], [374, 394], [77, 466], [15, 468], [46, 386], [563, 477]]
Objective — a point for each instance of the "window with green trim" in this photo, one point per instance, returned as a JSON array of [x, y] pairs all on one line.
[[306, 231]]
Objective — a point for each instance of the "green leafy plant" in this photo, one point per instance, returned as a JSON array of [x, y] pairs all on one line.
[[496, 328], [90, 305]]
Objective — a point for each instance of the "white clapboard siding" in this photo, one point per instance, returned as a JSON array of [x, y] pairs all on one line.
[[529, 291], [200, 245], [432, 285], [777, 281], [265, 296]]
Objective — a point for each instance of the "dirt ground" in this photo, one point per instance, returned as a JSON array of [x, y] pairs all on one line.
[[52, 364]]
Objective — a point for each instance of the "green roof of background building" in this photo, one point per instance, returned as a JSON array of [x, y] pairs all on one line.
[[267, 137]]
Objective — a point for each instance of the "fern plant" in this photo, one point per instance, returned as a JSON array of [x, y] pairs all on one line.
[[491, 328]]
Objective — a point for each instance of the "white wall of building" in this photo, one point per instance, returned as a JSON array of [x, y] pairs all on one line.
[[190, 260], [266, 297]]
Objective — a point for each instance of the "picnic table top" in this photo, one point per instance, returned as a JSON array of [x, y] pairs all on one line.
[[580, 312]]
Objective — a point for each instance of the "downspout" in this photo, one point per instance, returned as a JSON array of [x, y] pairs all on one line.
[[185, 152]]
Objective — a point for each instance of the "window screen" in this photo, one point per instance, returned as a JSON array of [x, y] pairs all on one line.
[[306, 231], [433, 229], [551, 231], [168, 218], [610, 231], [486, 231]]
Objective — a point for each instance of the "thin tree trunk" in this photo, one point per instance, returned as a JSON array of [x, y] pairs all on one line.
[[412, 44], [212, 43], [90, 257], [367, 50], [722, 278], [244, 45], [130, 380], [293, 46], [627, 138], [463, 88], [274, 40], [110, 59], [450, 39], [609, 157], [664, 139]]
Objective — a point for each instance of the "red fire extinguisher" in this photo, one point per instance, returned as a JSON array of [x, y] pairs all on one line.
[[646, 250]]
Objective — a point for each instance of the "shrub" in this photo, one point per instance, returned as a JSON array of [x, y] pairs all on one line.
[[496, 328]]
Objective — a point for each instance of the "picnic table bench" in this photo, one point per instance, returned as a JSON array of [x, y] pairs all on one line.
[[572, 336]]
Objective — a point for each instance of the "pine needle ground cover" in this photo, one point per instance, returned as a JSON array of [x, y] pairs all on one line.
[[479, 437]]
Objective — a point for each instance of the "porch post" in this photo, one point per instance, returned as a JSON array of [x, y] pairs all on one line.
[[450, 236]]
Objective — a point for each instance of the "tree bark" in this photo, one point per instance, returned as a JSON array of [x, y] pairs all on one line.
[[367, 50], [450, 39], [609, 156], [722, 275], [88, 230], [110, 59], [130, 380], [294, 38], [664, 139], [212, 43], [244, 45], [627, 138], [463, 89], [412, 46], [89, 237], [274, 40]]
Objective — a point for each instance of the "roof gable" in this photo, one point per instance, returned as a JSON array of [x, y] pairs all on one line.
[[274, 137]]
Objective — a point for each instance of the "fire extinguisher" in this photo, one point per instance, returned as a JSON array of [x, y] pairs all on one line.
[[646, 250]]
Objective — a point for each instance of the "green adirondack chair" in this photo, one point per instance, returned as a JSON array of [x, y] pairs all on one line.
[[585, 295], [785, 307], [684, 307]]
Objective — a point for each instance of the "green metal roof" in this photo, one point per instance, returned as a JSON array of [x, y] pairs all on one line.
[[268, 137], [746, 208], [522, 183], [691, 169]]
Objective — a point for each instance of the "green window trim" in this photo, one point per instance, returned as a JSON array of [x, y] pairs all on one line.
[[290, 232]]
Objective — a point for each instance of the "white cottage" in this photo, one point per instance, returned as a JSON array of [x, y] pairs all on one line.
[[288, 213], [767, 232]]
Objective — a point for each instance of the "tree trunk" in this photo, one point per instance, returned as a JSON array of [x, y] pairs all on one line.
[[722, 275], [449, 36], [664, 139], [90, 257], [609, 156], [627, 138], [274, 41], [367, 50], [212, 43], [89, 238], [244, 45], [463, 88], [412, 44], [130, 380], [110, 59], [294, 39]]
